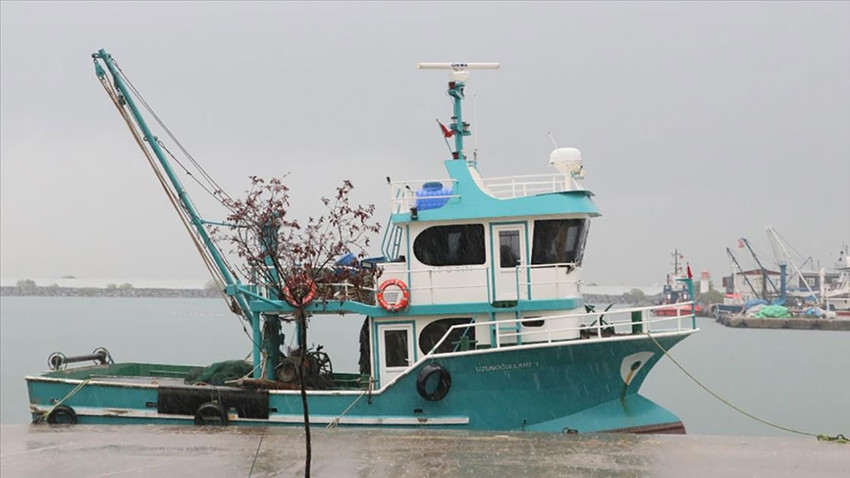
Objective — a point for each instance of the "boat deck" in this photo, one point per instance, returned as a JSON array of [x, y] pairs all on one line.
[[86, 451], [174, 375]]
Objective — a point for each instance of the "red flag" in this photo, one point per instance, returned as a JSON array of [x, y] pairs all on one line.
[[740, 243], [690, 275], [446, 132]]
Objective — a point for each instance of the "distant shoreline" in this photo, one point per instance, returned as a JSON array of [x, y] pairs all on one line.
[[55, 291]]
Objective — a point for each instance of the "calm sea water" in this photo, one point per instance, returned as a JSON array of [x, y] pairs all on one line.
[[797, 378]]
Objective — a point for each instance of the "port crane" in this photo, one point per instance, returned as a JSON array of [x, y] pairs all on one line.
[[765, 277], [741, 271], [775, 243]]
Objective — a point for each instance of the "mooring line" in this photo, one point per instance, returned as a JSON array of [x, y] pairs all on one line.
[[840, 438], [73, 392], [257, 453], [335, 422]]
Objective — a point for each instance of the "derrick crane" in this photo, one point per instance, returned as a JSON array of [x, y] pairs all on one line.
[[738, 266], [125, 96], [766, 278]]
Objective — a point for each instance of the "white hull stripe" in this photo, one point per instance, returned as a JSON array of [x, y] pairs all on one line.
[[287, 419]]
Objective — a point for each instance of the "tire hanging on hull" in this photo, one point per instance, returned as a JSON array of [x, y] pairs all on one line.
[[211, 413], [62, 415], [444, 382]]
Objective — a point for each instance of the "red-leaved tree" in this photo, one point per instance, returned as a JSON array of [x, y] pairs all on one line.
[[297, 262]]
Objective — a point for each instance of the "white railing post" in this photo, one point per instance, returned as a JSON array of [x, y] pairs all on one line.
[[431, 285], [599, 325], [678, 318]]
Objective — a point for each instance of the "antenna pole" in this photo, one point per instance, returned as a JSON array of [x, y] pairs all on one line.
[[457, 82]]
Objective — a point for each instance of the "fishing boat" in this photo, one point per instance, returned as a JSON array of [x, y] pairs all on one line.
[[677, 292], [477, 321], [837, 298]]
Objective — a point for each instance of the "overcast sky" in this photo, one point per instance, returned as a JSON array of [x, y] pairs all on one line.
[[698, 122]]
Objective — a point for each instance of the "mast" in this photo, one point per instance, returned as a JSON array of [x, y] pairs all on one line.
[[457, 82], [126, 99], [675, 262]]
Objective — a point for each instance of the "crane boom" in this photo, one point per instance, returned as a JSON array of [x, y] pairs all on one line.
[[746, 279], [775, 238], [763, 270], [124, 100]]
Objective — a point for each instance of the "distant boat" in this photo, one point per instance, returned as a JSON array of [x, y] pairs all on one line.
[[837, 298], [675, 294]]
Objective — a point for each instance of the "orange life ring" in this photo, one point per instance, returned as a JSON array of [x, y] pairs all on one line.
[[311, 293], [402, 302]]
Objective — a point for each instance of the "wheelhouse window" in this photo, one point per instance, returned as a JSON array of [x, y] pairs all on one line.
[[559, 241], [433, 332], [459, 245]]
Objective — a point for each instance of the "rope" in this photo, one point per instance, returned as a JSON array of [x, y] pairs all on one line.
[[141, 98], [257, 453], [189, 173], [837, 438], [73, 392], [335, 422], [175, 202]]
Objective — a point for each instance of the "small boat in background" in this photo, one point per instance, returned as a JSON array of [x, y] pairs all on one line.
[[676, 293]]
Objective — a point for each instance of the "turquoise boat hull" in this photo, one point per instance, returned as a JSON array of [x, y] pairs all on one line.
[[579, 386]]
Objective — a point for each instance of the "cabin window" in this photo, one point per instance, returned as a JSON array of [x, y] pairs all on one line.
[[509, 252], [395, 348], [459, 245], [538, 322], [559, 241], [433, 332]]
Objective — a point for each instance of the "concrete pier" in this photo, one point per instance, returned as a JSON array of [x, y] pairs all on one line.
[[799, 323], [185, 452]]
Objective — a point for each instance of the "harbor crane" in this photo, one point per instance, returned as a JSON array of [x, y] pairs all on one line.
[[766, 278], [741, 271]]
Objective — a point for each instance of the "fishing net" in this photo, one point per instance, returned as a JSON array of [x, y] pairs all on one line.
[[219, 372]]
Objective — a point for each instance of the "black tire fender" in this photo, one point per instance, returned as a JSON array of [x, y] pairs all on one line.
[[62, 415], [211, 413], [444, 382]]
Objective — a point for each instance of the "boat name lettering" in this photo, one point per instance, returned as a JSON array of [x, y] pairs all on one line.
[[499, 367]]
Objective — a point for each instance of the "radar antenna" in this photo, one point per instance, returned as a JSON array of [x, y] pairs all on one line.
[[457, 80]]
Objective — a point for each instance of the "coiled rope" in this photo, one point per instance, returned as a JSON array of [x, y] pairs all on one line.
[[840, 438]]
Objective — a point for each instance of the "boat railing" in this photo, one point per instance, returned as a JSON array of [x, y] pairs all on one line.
[[461, 284], [445, 285], [598, 330], [603, 325], [427, 287], [547, 281], [403, 194], [529, 185]]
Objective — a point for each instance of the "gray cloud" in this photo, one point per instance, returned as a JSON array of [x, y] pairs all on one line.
[[699, 122]]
